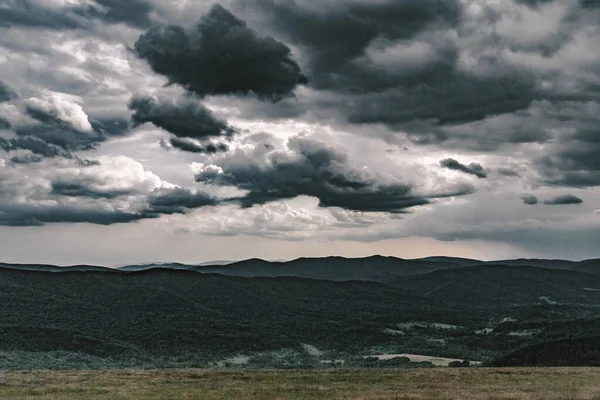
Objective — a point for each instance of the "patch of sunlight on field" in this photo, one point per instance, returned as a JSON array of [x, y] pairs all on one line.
[[375, 384]]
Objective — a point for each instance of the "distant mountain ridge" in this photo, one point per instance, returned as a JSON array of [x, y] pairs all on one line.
[[373, 268]]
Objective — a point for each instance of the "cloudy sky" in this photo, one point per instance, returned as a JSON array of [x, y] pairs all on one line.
[[186, 130]]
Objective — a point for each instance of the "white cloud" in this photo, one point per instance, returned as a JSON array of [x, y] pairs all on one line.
[[63, 106]]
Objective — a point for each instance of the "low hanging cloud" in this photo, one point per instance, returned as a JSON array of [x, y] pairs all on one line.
[[529, 199], [106, 191], [222, 55], [179, 200], [308, 166], [471, 169], [184, 118], [59, 190], [564, 200]]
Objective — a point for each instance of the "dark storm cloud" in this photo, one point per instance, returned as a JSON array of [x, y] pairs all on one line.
[[30, 14], [60, 135], [313, 169], [334, 35], [564, 199], [533, 3], [587, 4], [397, 63], [81, 189], [529, 199], [459, 100], [189, 146], [35, 145], [472, 169], [4, 124], [6, 92], [574, 160], [26, 159], [178, 201], [30, 215], [110, 127], [221, 56], [185, 118]]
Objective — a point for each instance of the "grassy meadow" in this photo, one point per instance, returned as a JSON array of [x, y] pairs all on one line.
[[372, 384]]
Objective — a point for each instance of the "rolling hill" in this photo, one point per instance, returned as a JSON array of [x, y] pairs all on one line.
[[178, 315]]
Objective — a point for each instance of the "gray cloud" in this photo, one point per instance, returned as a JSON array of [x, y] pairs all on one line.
[[26, 215], [221, 56], [33, 14], [185, 118], [310, 167], [81, 189], [4, 124], [179, 201], [30, 14], [35, 145], [335, 35], [529, 199], [564, 200], [6, 92], [573, 160], [132, 12], [472, 169], [189, 146], [26, 159]]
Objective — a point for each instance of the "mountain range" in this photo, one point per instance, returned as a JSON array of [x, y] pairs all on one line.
[[305, 313], [373, 268]]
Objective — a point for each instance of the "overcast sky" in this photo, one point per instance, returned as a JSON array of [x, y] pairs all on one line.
[[149, 130]]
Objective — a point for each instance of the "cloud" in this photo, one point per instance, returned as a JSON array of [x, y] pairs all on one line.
[[69, 15], [564, 199], [6, 92], [58, 108], [335, 35], [185, 118], [193, 147], [104, 191], [31, 14], [26, 159], [179, 200], [221, 56], [400, 62], [53, 124], [4, 124], [35, 145], [308, 166], [472, 169], [80, 189], [529, 199], [132, 12], [573, 159]]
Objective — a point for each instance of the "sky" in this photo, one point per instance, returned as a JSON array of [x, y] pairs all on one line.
[[187, 130]]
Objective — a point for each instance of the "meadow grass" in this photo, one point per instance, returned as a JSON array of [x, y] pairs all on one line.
[[372, 384]]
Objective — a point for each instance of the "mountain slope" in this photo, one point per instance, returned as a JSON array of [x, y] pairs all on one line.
[[560, 353], [495, 285]]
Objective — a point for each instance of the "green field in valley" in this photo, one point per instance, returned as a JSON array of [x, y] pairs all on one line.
[[372, 384]]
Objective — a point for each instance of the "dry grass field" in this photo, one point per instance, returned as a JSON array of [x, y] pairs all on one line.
[[372, 384]]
